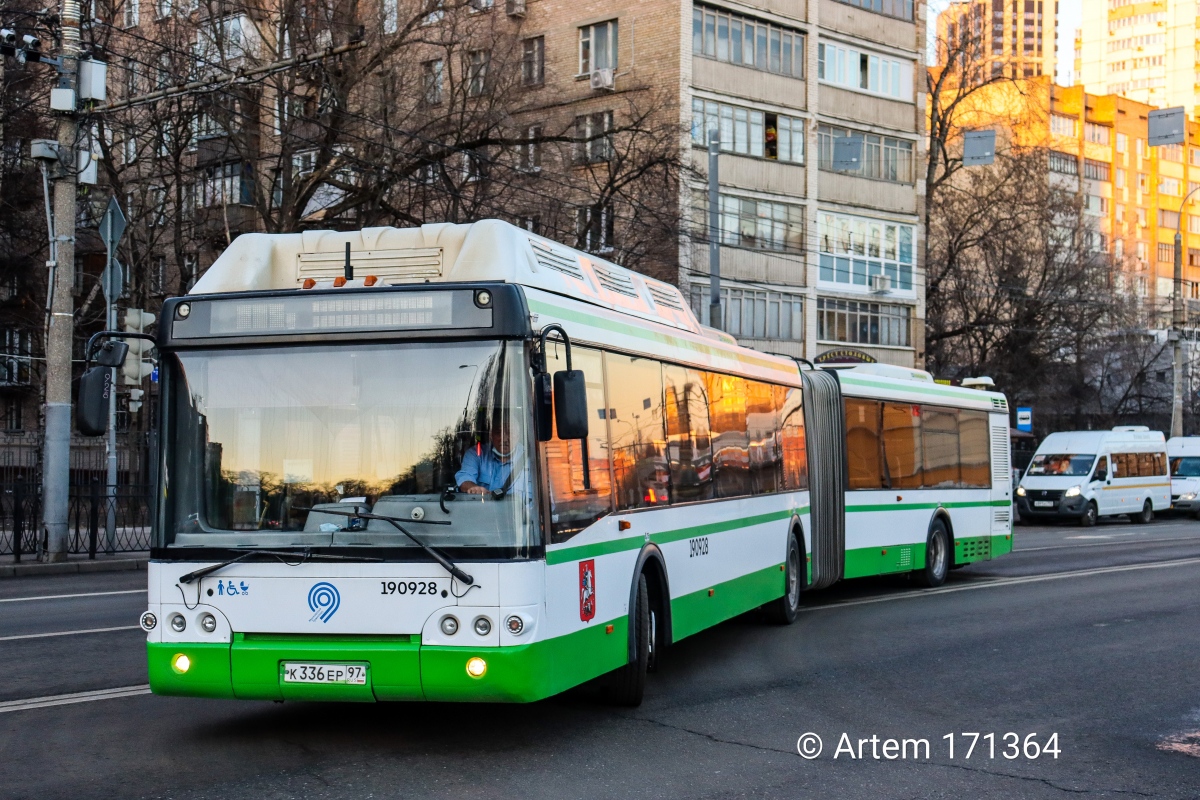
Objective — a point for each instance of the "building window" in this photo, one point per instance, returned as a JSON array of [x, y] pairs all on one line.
[[1062, 125], [436, 12], [861, 322], [593, 137], [1168, 219], [223, 184], [533, 61], [1064, 162], [477, 72], [754, 313], [901, 9], [1166, 253], [854, 249], [131, 13], [391, 16], [598, 47], [1096, 134], [532, 223], [475, 164], [594, 228], [1122, 143], [12, 414], [1169, 186], [747, 41], [14, 368], [884, 158], [865, 72], [1171, 152], [758, 224], [531, 151], [158, 274], [749, 132], [1095, 170], [432, 73]]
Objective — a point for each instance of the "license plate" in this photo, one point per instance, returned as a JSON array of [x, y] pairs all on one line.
[[1044, 503], [351, 674]]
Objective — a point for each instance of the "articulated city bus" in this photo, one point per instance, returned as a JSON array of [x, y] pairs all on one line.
[[464, 462]]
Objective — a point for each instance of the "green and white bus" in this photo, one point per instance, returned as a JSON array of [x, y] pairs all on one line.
[[363, 493]]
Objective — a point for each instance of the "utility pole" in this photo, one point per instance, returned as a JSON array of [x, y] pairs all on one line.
[[714, 231], [1168, 126], [56, 455]]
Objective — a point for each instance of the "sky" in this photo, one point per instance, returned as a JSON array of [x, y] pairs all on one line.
[[1070, 13]]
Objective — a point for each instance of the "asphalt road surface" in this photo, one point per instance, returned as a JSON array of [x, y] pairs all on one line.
[[1083, 641]]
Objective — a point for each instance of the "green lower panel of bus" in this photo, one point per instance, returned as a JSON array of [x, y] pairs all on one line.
[[692, 613], [398, 667], [867, 561]]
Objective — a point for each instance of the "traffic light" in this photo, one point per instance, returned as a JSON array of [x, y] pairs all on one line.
[[137, 364], [135, 400]]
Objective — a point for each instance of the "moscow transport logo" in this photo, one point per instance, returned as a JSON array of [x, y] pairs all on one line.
[[323, 601]]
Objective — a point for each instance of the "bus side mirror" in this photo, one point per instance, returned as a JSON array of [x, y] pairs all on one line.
[[543, 406], [91, 411], [570, 405], [1101, 475], [112, 353]]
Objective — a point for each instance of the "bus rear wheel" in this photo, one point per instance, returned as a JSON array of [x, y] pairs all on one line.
[[784, 610], [937, 557], [628, 684], [1147, 515]]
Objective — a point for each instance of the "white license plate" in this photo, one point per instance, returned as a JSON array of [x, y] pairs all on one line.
[[1043, 503], [352, 674]]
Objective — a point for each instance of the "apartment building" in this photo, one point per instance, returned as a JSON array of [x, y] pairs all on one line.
[[1145, 51], [814, 259], [1097, 145], [1014, 38]]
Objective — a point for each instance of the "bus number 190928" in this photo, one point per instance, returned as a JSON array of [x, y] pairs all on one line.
[[698, 547]]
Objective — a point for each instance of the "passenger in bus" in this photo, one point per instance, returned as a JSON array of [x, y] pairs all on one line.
[[488, 468]]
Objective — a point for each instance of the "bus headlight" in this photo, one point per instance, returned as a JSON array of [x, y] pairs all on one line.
[[476, 666], [148, 621], [449, 625], [178, 623], [1188, 496], [1020, 491], [483, 626], [1072, 492], [181, 663], [515, 625], [208, 623]]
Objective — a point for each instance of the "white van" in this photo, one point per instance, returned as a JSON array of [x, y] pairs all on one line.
[[1184, 454], [1085, 475]]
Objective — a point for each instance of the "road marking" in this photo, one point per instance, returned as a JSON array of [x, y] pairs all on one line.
[[1103, 544], [68, 633], [70, 699], [1054, 576], [66, 596]]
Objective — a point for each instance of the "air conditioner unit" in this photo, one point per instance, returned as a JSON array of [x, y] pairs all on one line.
[[515, 8], [602, 79], [881, 284]]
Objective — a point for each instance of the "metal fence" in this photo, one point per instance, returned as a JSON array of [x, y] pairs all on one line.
[[96, 523]]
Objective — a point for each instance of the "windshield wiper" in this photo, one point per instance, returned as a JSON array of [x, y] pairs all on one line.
[[434, 553], [305, 554]]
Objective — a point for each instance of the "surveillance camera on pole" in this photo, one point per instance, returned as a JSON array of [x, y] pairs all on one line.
[[8, 42]]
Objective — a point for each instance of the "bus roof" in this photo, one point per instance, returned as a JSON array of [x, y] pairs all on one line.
[[490, 250], [1139, 439]]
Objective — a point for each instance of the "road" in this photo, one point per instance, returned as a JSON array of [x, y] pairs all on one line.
[[1090, 634]]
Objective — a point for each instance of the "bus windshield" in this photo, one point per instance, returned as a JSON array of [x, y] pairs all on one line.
[[1185, 467], [1061, 465], [272, 446]]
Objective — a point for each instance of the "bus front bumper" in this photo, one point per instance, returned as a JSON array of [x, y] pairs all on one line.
[[1065, 508]]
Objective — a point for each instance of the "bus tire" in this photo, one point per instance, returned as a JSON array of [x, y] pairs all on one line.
[[1147, 515], [1090, 515], [937, 556], [628, 683], [784, 610]]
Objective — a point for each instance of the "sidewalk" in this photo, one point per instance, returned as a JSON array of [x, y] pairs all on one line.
[[75, 563]]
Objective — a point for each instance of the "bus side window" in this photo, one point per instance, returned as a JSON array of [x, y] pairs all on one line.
[[636, 427], [939, 447], [902, 444], [793, 446], [731, 450], [762, 420], [974, 450], [578, 470], [863, 448], [689, 443]]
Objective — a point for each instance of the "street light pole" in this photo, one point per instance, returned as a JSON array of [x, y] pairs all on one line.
[[714, 231], [1178, 318]]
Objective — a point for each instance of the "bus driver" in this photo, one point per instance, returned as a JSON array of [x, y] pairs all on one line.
[[490, 468]]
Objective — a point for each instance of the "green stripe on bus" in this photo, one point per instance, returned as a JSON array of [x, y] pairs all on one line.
[[692, 613], [641, 333], [917, 506], [584, 551]]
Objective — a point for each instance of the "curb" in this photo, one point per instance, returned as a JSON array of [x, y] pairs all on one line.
[[72, 567]]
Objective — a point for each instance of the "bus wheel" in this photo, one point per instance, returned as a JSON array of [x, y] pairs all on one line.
[[784, 610], [1090, 515], [937, 556], [1146, 516], [629, 682]]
